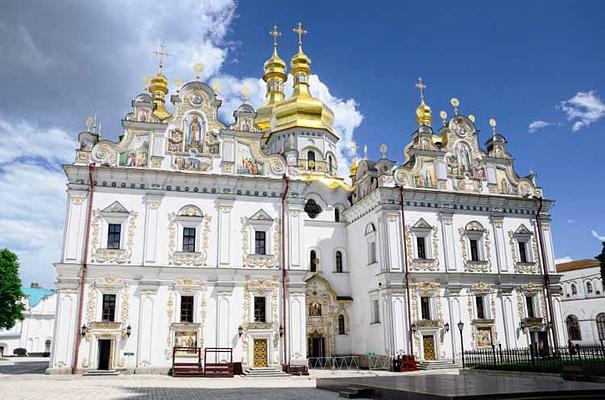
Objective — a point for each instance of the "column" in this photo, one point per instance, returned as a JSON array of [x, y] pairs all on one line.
[[152, 205], [449, 244], [394, 243], [144, 335], [500, 243], [548, 247], [63, 333], [224, 232], [75, 225], [398, 315], [297, 327], [295, 239]]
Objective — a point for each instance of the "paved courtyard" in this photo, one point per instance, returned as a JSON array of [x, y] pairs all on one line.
[[24, 379]]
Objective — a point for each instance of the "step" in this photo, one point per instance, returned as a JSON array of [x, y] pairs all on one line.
[[101, 372], [438, 364], [354, 392]]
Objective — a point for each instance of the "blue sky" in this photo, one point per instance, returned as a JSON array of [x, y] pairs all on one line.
[[518, 62]]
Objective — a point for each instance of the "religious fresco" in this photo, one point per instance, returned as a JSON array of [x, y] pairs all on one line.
[[504, 186], [143, 115], [426, 177], [194, 129], [137, 153], [191, 163], [246, 163], [175, 141], [185, 339], [484, 337]]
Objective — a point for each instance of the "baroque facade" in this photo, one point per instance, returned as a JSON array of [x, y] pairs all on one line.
[[190, 232]]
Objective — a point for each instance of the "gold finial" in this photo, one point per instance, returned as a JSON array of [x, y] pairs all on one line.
[[354, 149], [443, 116], [300, 32], [492, 123], [245, 91], [161, 53], [146, 80], [455, 103], [383, 150], [198, 68], [274, 32], [472, 118], [420, 86], [217, 86]]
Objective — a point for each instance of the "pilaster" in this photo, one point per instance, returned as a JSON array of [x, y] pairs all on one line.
[[447, 229], [152, 205]]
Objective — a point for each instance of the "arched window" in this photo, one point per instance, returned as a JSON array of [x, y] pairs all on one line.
[[341, 325], [339, 261], [574, 289], [313, 261], [312, 208], [311, 160], [573, 328], [330, 165], [371, 239], [601, 326], [588, 287], [336, 215]]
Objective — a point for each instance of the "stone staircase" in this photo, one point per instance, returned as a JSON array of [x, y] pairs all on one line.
[[268, 372], [101, 372], [438, 364], [354, 392]]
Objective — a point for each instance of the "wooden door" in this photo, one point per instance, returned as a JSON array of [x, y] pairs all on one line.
[[104, 354], [260, 353], [428, 345]]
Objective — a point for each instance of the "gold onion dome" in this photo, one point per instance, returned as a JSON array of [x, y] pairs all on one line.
[[274, 75], [301, 109], [423, 112], [159, 89]]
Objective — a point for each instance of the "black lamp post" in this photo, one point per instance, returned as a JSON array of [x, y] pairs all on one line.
[[128, 330], [446, 327], [84, 330], [460, 328], [281, 331], [240, 331], [414, 328]]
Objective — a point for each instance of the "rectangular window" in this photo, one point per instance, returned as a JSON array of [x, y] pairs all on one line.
[[375, 311], [421, 246], [189, 240], [425, 307], [523, 252], [529, 303], [109, 308], [113, 236], [260, 242], [372, 251], [260, 309], [474, 249], [480, 307], [186, 308]]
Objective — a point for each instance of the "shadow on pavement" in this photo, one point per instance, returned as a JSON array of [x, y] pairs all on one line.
[[24, 367], [249, 393]]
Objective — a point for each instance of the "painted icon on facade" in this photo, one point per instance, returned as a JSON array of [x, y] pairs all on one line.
[[137, 154], [195, 127], [246, 163]]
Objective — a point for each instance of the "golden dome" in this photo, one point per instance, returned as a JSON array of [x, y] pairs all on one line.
[[423, 114], [354, 166], [159, 89], [301, 109], [275, 75]]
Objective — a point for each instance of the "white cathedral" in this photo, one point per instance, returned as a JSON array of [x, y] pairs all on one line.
[[193, 234]]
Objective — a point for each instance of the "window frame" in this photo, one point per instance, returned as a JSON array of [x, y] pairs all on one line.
[[111, 311], [187, 238], [338, 261], [260, 244], [425, 312], [375, 311], [480, 310], [111, 242], [187, 315], [342, 325], [261, 308]]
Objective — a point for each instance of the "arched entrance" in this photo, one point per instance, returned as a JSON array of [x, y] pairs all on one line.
[[316, 345]]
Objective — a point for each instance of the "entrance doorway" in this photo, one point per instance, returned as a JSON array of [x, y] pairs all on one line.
[[260, 353], [428, 346], [316, 347], [539, 342], [104, 354]]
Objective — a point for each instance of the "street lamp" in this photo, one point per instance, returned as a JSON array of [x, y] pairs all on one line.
[[414, 328], [84, 330], [128, 330], [240, 331], [460, 328], [446, 327], [281, 331]]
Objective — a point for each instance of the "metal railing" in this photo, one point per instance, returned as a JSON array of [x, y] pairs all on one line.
[[380, 362], [533, 358], [348, 363]]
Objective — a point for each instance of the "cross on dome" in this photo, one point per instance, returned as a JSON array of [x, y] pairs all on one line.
[[161, 53], [300, 32], [275, 33], [420, 86]]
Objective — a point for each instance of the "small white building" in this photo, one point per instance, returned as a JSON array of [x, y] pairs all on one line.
[[583, 301], [35, 332]]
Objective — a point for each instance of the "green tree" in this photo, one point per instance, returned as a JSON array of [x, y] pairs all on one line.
[[11, 307], [601, 258]]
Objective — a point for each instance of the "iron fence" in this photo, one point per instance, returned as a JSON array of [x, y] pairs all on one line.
[[349, 363], [538, 359]]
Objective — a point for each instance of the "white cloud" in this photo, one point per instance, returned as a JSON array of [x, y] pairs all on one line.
[[583, 109], [571, 221], [32, 194], [597, 236], [563, 260], [535, 126]]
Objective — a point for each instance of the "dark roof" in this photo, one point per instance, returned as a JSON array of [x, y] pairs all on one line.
[[577, 264]]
